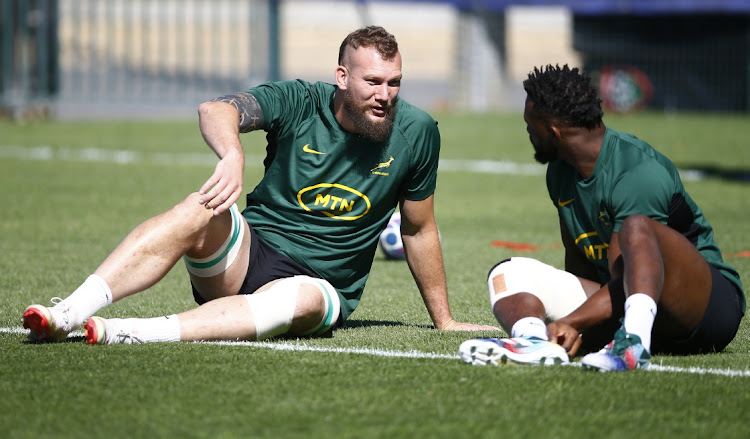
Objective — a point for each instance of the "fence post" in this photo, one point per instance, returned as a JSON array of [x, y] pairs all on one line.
[[274, 70], [6, 53]]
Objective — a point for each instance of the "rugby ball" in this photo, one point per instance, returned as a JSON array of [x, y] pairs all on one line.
[[390, 239]]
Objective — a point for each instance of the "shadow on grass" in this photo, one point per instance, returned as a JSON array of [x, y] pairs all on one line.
[[74, 339], [370, 323], [352, 324], [739, 175]]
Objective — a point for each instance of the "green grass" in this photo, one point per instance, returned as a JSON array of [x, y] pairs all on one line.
[[61, 218]]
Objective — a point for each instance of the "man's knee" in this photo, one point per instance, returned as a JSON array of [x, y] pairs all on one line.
[[299, 305], [559, 291], [191, 211], [204, 231], [310, 309]]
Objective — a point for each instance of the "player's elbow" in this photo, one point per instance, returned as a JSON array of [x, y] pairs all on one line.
[[206, 108]]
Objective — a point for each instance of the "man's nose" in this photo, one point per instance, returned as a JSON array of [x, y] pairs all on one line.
[[382, 92]]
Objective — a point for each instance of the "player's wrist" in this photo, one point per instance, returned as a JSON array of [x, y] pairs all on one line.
[[447, 324]]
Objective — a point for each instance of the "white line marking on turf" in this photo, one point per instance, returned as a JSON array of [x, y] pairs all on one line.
[[699, 370], [302, 347], [127, 157]]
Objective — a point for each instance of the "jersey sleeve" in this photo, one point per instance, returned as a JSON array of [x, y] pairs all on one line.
[[423, 176], [283, 103], [644, 190]]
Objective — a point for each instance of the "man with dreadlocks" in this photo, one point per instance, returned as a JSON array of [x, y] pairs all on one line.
[[641, 266]]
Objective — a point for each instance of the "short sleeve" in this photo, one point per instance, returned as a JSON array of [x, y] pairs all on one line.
[[422, 179], [283, 104], [644, 190]]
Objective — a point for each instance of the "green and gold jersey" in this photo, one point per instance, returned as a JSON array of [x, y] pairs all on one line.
[[630, 177], [327, 194]]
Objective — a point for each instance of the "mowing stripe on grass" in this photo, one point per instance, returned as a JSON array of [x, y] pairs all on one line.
[[126, 157], [302, 347]]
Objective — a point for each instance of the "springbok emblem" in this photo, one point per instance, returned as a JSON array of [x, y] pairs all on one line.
[[383, 165]]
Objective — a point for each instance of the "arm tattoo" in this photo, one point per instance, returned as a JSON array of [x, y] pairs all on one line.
[[251, 116]]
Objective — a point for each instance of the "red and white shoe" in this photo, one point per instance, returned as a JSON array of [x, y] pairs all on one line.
[[48, 324], [109, 331]]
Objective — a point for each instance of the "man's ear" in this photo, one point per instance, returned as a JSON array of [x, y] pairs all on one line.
[[555, 130], [342, 77]]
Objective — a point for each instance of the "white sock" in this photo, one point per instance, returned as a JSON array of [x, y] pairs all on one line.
[[529, 327], [640, 311], [157, 329], [93, 295]]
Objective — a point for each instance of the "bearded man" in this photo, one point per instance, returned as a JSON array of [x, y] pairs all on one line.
[[340, 159]]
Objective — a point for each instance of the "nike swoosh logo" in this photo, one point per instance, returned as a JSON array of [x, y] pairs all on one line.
[[564, 203], [306, 148]]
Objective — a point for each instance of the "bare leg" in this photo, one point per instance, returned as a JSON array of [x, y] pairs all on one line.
[[663, 264], [525, 292], [141, 260], [511, 309], [146, 255]]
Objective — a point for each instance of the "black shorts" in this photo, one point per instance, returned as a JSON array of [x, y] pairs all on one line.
[[265, 265], [716, 329]]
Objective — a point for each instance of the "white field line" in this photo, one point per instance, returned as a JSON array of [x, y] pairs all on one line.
[[299, 346], [127, 157]]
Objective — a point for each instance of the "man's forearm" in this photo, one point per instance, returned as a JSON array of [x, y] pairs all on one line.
[[219, 127], [596, 309], [426, 264]]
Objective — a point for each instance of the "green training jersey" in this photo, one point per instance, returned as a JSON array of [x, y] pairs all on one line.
[[327, 194], [630, 177]]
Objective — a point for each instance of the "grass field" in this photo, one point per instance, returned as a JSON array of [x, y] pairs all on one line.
[[71, 191]]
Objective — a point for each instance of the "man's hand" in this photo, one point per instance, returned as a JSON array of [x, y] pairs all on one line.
[[453, 325], [565, 335], [224, 187]]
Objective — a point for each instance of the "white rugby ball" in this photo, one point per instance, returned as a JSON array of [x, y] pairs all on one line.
[[390, 239]]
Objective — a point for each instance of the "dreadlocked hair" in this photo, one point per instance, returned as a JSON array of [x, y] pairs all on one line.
[[564, 94], [370, 36]]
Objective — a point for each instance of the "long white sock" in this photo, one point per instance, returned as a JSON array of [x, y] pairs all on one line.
[[529, 327], [156, 329], [640, 312], [93, 295]]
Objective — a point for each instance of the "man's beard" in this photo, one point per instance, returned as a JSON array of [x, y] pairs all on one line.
[[544, 153], [375, 131], [543, 157]]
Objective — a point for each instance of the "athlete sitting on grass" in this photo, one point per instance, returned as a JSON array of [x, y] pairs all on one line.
[[635, 244], [295, 261]]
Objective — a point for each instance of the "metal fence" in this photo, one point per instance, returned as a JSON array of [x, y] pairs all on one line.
[[95, 54], [28, 55], [102, 58]]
